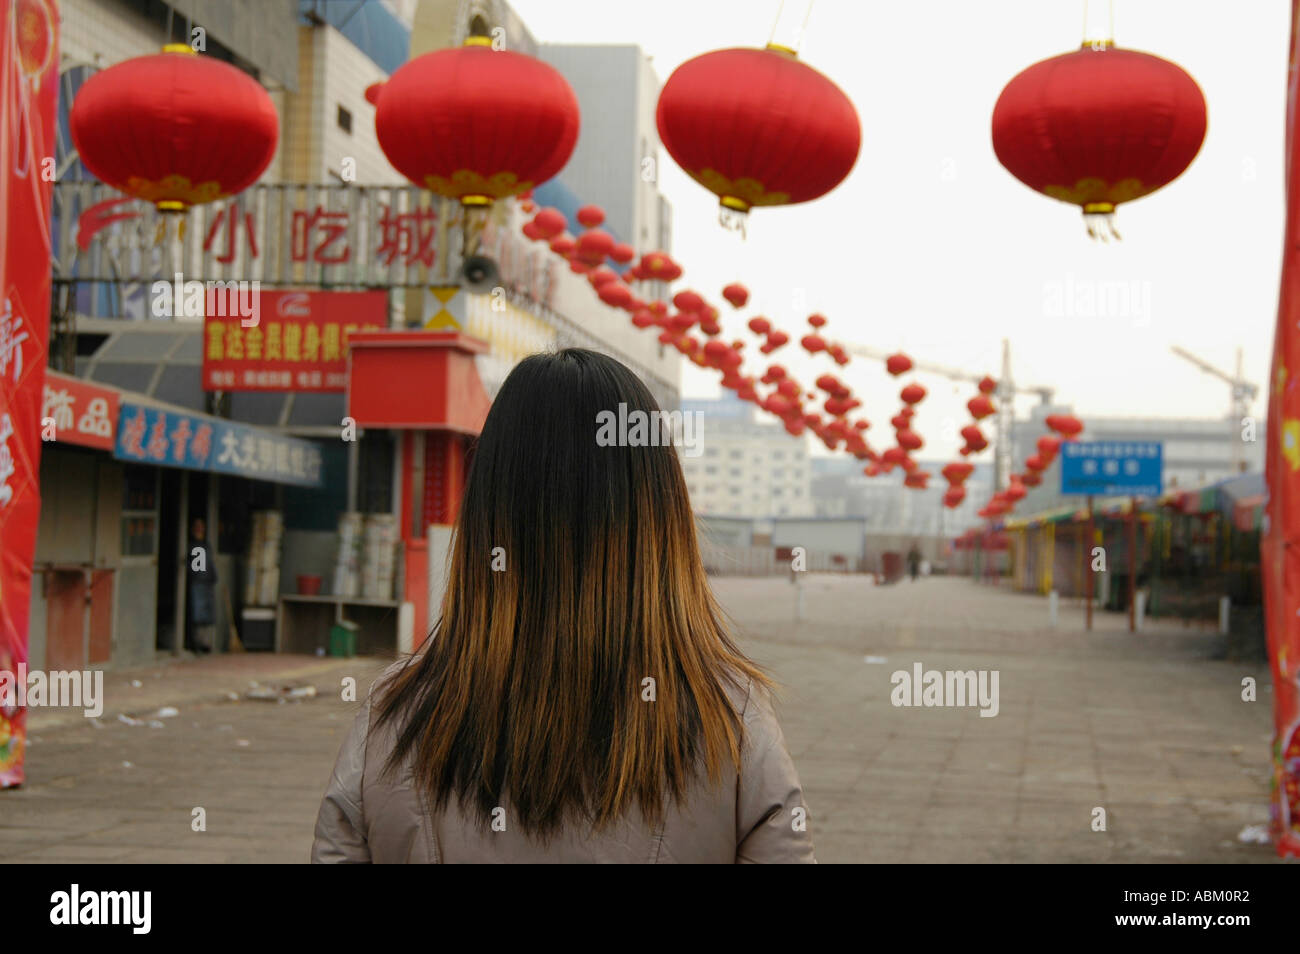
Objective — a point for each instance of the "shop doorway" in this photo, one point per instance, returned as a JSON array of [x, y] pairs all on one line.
[[169, 567]]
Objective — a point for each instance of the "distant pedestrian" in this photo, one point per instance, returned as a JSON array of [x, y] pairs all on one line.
[[580, 698], [914, 562], [201, 601]]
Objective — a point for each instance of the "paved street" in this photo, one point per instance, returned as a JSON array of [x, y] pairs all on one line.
[[1147, 727]]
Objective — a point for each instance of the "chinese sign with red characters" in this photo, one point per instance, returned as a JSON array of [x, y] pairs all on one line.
[[298, 344], [80, 412], [340, 236]]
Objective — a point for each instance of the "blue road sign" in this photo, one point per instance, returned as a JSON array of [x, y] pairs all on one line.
[[1129, 468]]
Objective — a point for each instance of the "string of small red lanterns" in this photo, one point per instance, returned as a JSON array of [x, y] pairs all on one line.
[[786, 399]]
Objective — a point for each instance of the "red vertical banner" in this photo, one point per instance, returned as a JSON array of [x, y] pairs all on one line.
[[1280, 556], [29, 80]]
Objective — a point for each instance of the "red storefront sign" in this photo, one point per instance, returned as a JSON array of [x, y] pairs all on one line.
[[297, 340], [79, 412], [29, 82]]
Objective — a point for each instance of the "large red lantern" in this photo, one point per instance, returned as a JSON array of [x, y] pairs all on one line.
[[1099, 126], [175, 128], [758, 127], [477, 124]]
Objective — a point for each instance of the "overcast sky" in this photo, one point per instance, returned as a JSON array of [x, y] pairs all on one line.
[[932, 247]]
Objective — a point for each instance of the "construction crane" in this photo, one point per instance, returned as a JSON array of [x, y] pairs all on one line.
[[1004, 419], [1242, 395]]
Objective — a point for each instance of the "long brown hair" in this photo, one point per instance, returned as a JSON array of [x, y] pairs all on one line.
[[575, 577]]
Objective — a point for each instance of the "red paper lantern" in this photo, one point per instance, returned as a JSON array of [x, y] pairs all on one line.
[[590, 216], [737, 294], [1067, 425], [910, 440], [760, 325], [758, 127], [912, 394], [477, 124], [622, 253], [980, 407], [175, 128], [957, 471], [987, 385], [813, 343], [1099, 126], [615, 294], [1048, 445], [600, 276], [817, 321], [1035, 462], [373, 91], [688, 301], [563, 246], [658, 266], [953, 497], [894, 455], [550, 222], [776, 339], [897, 364]]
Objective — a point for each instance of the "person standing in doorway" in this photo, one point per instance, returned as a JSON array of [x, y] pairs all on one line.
[[914, 561], [201, 604]]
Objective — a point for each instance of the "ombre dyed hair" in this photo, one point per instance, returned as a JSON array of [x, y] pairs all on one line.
[[530, 690]]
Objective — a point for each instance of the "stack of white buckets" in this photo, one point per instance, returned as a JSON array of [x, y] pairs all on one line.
[[367, 547]]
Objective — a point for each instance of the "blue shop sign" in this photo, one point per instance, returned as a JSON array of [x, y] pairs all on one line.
[[1131, 468], [151, 435]]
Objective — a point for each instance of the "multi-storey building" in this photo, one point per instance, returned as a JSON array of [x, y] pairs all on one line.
[[745, 468]]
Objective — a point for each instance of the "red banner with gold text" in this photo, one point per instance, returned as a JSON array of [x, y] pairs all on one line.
[[29, 80], [1280, 554]]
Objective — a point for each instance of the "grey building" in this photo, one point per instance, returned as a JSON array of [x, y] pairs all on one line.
[[841, 489]]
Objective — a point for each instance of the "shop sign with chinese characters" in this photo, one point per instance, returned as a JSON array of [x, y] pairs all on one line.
[[79, 412], [298, 344], [278, 234], [166, 438], [1130, 468]]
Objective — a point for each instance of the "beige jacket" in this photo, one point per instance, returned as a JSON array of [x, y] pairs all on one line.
[[757, 816]]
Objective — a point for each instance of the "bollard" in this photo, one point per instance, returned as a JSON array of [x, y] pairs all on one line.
[[1139, 610], [1053, 604], [798, 601], [1225, 607]]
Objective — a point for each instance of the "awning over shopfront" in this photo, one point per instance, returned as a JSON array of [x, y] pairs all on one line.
[[141, 430], [167, 437]]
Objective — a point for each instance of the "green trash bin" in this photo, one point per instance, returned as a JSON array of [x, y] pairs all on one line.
[[343, 639]]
